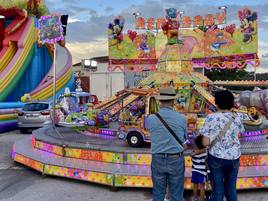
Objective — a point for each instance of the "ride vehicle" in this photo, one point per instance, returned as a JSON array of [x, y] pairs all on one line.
[[195, 103], [74, 109], [133, 128], [33, 115]]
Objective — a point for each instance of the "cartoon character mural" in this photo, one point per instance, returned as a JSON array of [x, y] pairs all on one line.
[[171, 25], [115, 29], [214, 41], [131, 34], [199, 42], [142, 42], [230, 29], [143, 46], [247, 18]]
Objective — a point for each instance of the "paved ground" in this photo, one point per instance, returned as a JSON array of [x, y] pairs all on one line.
[[18, 183]]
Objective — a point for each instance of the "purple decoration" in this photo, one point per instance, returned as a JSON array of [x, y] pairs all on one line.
[[50, 29], [108, 132], [254, 133], [8, 126]]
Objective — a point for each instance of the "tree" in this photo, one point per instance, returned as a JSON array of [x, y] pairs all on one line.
[[226, 74]]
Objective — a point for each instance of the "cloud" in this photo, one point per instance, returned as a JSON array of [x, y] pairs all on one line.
[[86, 50], [50, 3], [92, 11], [73, 10], [69, 1], [90, 30], [108, 9], [72, 20], [176, 3]]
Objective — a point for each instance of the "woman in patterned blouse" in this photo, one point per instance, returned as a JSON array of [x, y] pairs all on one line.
[[224, 148]]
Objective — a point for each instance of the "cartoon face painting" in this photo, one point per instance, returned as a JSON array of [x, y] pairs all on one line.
[[247, 18]]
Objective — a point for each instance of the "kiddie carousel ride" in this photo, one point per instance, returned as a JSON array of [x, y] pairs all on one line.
[[175, 68], [107, 160], [75, 109]]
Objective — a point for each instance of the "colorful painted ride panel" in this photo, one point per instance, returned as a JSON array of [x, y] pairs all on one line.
[[123, 180], [132, 158], [140, 46], [29, 162], [198, 42], [94, 155], [49, 147], [96, 177], [119, 180], [127, 175]]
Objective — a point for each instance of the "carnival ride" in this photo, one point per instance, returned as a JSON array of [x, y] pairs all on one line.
[[75, 109], [95, 153], [26, 66]]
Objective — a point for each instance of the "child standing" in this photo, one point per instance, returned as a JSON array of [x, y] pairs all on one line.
[[199, 170]]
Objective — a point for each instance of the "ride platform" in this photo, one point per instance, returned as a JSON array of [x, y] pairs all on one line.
[[105, 159]]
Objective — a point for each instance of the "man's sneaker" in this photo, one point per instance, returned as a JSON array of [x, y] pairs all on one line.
[[195, 199]]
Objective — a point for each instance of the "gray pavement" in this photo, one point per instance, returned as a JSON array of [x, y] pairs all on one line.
[[19, 183]]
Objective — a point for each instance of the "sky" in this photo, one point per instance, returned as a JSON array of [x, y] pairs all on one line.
[[88, 20]]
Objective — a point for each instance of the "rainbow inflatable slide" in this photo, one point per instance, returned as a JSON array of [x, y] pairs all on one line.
[[25, 65]]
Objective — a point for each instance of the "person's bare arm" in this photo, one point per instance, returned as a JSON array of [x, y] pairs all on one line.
[[186, 145], [199, 151], [205, 141]]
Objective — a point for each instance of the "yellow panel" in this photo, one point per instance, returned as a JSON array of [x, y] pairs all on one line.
[[140, 159], [5, 59], [252, 182], [86, 175], [8, 116], [49, 148], [29, 162]]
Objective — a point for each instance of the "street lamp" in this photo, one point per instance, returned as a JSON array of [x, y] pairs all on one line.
[[224, 8], [94, 63], [136, 14], [89, 64], [181, 12]]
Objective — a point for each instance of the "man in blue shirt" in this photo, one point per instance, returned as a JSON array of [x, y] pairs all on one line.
[[167, 165]]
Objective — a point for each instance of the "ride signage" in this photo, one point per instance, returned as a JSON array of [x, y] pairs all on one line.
[[186, 21]]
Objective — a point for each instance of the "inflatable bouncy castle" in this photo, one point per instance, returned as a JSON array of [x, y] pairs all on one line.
[[25, 64]]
